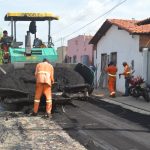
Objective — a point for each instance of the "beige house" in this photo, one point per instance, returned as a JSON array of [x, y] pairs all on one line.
[[61, 51]]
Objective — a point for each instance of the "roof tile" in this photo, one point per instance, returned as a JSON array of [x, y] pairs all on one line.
[[131, 26]]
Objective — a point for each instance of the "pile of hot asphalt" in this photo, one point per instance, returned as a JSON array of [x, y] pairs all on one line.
[[24, 79]]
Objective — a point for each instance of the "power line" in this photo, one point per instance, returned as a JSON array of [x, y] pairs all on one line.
[[96, 18], [114, 7], [78, 20]]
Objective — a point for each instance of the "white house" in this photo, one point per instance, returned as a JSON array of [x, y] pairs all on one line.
[[118, 41]]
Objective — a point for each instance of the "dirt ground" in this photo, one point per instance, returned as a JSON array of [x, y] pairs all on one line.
[[18, 132]]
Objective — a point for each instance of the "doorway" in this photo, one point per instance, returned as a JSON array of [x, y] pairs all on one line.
[[103, 77]]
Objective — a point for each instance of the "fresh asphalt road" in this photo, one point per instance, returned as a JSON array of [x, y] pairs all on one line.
[[99, 125]]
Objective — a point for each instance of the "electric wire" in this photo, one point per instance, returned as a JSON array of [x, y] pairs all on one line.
[[103, 5], [107, 12]]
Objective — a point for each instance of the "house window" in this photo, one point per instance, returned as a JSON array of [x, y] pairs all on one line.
[[113, 57], [74, 59], [70, 59]]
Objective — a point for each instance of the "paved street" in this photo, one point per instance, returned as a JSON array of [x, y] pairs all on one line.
[[99, 125]]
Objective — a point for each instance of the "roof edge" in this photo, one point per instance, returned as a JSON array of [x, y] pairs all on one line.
[[102, 30]]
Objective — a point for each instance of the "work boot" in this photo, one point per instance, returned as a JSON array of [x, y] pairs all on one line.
[[48, 115], [113, 96], [33, 114]]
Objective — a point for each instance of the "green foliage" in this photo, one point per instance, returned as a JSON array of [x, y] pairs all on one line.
[[1, 32]]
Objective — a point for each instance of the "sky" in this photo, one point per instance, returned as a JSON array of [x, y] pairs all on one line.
[[77, 17]]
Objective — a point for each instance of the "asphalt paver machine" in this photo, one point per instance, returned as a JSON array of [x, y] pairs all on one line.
[[17, 81], [37, 51]]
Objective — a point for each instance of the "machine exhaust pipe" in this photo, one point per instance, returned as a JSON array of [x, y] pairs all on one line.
[[28, 44]]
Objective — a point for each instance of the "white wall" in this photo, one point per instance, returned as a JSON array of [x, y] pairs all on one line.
[[127, 48]]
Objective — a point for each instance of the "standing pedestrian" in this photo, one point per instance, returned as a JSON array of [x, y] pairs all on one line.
[[44, 79], [127, 74], [111, 70]]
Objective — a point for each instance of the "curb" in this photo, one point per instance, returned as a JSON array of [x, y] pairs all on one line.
[[124, 105]]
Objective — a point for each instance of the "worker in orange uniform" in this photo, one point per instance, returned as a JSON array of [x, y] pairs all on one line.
[[127, 74], [111, 70], [44, 79], [5, 43]]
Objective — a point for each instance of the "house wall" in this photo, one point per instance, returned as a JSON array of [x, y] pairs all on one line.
[[127, 48], [78, 47], [61, 51]]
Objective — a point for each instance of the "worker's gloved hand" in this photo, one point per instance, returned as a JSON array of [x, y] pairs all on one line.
[[119, 75]]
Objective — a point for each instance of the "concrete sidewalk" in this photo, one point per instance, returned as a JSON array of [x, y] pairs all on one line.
[[135, 104]]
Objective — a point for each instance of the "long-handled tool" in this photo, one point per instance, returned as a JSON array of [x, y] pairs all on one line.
[[3, 71]]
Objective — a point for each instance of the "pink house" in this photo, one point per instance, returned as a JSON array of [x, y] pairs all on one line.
[[79, 50]]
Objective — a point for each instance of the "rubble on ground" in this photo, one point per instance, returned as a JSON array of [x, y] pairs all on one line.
[[22, 132]]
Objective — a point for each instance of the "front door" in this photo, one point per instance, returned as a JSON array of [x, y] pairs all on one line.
[[103, 76]]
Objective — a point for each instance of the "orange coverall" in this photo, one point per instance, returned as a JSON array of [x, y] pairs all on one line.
[[111, 70], [127, 71], [44, 79]]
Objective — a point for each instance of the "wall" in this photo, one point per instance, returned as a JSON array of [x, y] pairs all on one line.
[[79, 46], [61, 51], [127, 48]]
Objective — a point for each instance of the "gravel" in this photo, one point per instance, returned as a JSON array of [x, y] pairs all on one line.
[[23, 132]]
